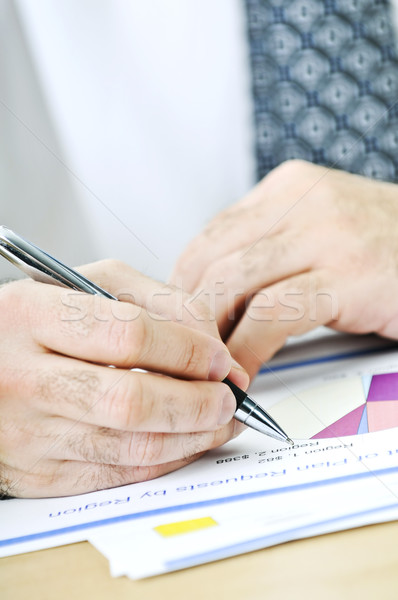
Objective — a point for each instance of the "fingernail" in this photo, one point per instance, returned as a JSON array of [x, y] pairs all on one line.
[[220, 366], [228, 408]]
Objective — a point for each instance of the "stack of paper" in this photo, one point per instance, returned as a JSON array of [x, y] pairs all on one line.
[[253, 492]]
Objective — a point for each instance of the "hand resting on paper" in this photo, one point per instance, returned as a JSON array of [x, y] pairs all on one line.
[[307, 246], [70, 423]]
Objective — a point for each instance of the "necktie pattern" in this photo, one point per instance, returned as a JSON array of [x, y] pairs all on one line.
[[325, 84]]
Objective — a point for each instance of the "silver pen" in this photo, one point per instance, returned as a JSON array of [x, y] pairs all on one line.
[[42, 267]]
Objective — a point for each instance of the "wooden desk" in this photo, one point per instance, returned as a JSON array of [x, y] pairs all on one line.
[[358, 565]]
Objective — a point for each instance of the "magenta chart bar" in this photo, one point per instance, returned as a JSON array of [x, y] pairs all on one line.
[[383, 388], [379, 411], [347, 425]]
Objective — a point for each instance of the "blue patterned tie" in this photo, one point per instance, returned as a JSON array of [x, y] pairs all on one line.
[[325, 84]]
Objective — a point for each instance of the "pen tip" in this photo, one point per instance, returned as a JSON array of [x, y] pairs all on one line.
[[289, 441]]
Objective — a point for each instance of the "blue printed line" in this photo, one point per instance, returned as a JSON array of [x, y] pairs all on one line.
[[268, 540], [200, 504], [324, 359]]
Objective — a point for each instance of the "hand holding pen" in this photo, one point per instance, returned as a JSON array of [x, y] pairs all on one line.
[[75, 424]]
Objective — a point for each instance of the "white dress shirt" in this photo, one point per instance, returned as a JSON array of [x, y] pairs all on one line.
[[126, 122]]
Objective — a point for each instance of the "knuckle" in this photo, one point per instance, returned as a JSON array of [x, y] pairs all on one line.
[[147, 448], [127, 340], [183, 263], [287, 170], [117, 338], [216, 273], [197, 312], [111, 265], [203, 411], [74, 314], [214, 228], [291, 166], [190, 359], [139, 338], [201, 310], [127, 407]]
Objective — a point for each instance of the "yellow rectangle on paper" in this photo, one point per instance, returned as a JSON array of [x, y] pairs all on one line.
[[185, 526]]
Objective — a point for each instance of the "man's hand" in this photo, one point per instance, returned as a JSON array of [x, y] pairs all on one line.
[[69, 422], [308, 246]]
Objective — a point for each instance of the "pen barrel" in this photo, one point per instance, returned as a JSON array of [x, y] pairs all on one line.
[[240, 395], [255, 417], [247, 411], [252, 415]]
